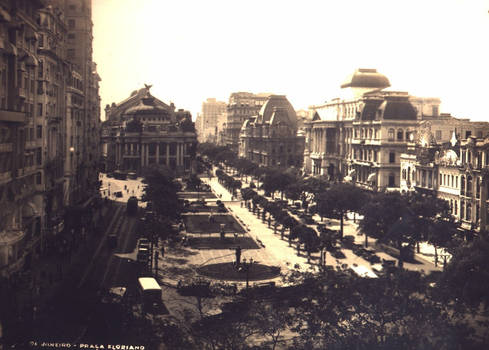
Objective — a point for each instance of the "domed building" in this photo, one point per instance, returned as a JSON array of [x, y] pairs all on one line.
[[271, 138], [360, 135], [142, 130]]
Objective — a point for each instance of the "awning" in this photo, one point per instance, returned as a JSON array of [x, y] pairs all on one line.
[[30, 60], [372, 177], [29, 210], [4, 15], [30, 33], [7, 48]]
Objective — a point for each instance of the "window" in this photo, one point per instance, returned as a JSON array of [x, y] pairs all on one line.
[[392, 180], [71, 53], [462, 186], [455, 211], [400, 135], [404, 174], [469, 186], [468, 133], [438, 134], [39, 131], [38, 156], [71, 23], [38, 178], [462, 210], [390, 135], [435, 110], [71, 36], [392, 157]]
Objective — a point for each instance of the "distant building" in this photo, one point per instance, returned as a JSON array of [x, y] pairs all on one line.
[[142, 130], [208, 126], [271, 137], [360, 136], [241, 106]]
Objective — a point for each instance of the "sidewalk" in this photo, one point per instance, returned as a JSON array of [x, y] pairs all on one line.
[[288, 254]]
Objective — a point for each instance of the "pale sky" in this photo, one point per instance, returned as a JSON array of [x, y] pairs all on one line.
[[194, 49]]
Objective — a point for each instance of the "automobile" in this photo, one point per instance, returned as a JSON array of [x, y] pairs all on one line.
[[338, 254], [144, 243], [132, 206], [132, 176], [143, 255], [111, 175]]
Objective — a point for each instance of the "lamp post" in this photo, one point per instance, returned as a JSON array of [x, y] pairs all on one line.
[[247, 268]]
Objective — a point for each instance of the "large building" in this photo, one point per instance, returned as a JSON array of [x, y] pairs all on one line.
[[43, 140], [241, 106], [360, 136], [142, 130], [209, 121], [272, 138], [449, 158]]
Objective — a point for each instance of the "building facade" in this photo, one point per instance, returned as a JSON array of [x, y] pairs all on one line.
[[142, 131], [210, 120], [241, 106], [360, 136], [35, 122], [454, 169], [272, 138]]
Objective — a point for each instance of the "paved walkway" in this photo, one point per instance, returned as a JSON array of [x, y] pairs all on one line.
[[287, 256]]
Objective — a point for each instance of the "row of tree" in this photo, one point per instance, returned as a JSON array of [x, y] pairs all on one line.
[[229, 182]]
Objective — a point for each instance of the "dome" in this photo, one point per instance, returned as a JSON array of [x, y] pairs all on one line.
[[366, 78], [278, 103]]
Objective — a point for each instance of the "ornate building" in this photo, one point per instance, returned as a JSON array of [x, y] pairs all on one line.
[[142, 130], [241, 106], [271, 138], [454, 169], [360, 136]]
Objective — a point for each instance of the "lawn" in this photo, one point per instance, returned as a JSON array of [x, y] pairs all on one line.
[[204, 224]]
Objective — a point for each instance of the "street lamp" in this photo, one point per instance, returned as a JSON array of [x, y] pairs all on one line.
[[247, 268]]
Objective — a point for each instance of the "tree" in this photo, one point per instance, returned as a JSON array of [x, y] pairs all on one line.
[[161, 189], [338, 310], [338, 200], [466, 277]]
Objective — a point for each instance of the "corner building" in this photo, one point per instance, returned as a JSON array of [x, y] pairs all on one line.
[[271, 138], [360, 136]]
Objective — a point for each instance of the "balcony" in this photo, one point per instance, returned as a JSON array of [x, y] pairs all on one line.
[[21, 92], [5, 147], [5, 177], [11, 116]]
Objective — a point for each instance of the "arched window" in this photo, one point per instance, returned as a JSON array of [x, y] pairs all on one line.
[[390, 135], [469, 186], [400, 135], [477, 188]]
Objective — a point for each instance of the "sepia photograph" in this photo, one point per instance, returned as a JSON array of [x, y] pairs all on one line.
[[244, 175]]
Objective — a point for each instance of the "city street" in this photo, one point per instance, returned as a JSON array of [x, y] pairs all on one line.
[[71, 308]]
